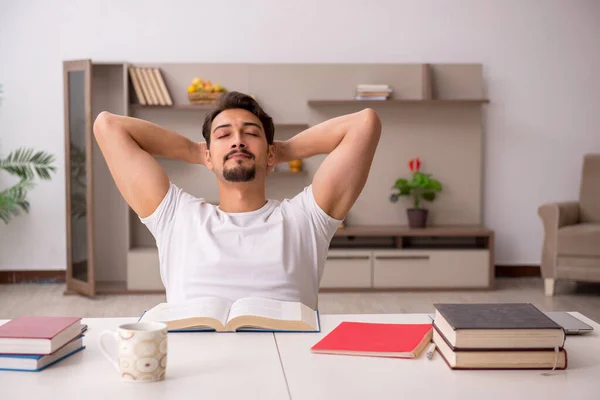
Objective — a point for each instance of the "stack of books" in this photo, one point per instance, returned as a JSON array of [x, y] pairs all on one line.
[[498, 336], [149, 87], [372, 92], [35, 343]]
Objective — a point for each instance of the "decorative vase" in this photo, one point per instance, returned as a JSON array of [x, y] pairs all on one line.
[[417, 217]]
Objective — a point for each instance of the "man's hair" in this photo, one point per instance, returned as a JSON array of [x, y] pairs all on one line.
[[231, 100]]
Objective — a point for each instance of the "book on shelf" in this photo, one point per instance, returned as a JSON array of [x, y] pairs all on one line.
[[376, 340], [137, 86], [496, 326], [37, 334], [375, 92], [149, 87], [39, 362], [499, 358], [245, 314]]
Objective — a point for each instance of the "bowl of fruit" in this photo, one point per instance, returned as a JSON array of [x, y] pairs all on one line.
[[204, 92]]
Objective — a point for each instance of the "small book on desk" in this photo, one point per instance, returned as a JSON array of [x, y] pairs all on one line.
[[497, 326], [376, 340], [38, 335], [39, 362], [499, 358], [246, 314]]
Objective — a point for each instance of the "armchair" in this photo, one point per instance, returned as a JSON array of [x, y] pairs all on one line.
[[571, 247]]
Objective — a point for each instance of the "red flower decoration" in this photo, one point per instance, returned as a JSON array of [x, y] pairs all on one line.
[[414, 164]]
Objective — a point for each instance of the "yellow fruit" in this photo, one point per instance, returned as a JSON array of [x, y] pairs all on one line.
[[197, 81], [191, 89], [218, 88]]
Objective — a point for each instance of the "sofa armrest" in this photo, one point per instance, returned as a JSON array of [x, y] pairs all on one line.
[[555, 216]]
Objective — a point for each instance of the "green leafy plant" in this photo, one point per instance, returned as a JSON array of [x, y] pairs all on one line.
[[421, 187], [26, 164]]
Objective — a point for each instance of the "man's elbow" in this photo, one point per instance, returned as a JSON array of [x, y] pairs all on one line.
[[372, 121], [102, 123]]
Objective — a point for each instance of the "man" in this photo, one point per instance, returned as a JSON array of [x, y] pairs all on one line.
[[248, 245]]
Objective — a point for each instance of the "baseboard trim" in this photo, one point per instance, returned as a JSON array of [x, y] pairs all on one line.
[[32, 276], [501, 271], [517, 271]]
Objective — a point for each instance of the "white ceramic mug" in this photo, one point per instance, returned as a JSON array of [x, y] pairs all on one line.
[[141, 351]]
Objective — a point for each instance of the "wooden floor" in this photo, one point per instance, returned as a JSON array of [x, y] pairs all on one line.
[[48, 299]]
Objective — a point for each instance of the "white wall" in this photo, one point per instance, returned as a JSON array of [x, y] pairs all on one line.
[[541, 58]]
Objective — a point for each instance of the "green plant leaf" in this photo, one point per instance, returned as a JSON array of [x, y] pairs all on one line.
[[25, 163], [434, 185], [13, 200], [429, 196]]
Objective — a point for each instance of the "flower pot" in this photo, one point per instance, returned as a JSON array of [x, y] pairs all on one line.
[[417, 217]]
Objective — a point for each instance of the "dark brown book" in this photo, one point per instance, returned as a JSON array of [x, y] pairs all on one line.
[[499, 359], [497, 326]]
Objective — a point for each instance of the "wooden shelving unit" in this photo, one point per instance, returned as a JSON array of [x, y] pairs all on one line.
[[399, 102]]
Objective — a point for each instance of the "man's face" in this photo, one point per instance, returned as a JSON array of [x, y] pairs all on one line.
[[238, 146]]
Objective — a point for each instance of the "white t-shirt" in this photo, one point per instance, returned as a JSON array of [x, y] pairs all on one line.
[[277, 251]]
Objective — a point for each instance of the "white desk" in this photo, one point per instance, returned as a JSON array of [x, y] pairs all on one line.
[[249, 365], [200, 366], [327, 376]]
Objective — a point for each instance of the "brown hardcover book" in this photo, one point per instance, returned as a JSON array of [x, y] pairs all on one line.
[[136, 86], [144, 86], [499, 359], [163, 86], [151, 92], [155, 87], [497, 326]]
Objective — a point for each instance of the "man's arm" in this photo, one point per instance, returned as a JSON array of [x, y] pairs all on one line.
[[129, 144], [350, 141]]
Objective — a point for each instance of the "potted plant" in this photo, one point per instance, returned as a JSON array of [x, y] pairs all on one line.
[[25, 164], [421, 187]]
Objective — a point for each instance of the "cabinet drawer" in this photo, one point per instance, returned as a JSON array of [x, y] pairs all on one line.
[[431, 269], [347, 271]]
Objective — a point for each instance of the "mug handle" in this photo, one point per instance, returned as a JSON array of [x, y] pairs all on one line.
[[115, 335]]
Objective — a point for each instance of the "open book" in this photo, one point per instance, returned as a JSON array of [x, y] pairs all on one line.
[[247, 314]]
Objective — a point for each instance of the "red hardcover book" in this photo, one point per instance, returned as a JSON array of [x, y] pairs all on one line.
[[37, 335], [376, 339]]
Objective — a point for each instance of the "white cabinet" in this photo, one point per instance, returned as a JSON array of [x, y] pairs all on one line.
[[431, 269], [347, 269]]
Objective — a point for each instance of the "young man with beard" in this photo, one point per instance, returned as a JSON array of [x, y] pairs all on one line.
[[248, 245]]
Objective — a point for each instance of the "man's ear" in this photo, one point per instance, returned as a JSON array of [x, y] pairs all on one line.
[[208, 157], [270, 155]]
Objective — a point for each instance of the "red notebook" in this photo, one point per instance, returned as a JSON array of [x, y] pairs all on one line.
[[376, 339], [37, 335]]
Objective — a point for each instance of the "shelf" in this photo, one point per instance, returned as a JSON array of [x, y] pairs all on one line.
[[174, 107], [399, 102], [292, 126], [288, 173], [206, 107], [397, 230]]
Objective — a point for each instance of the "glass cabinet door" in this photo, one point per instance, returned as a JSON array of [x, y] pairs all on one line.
[[77, 77]]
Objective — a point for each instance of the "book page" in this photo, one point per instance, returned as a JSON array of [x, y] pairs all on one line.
[[275, 309], [211, 307]]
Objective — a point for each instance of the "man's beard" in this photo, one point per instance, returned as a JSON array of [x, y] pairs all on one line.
[[239, 173]]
